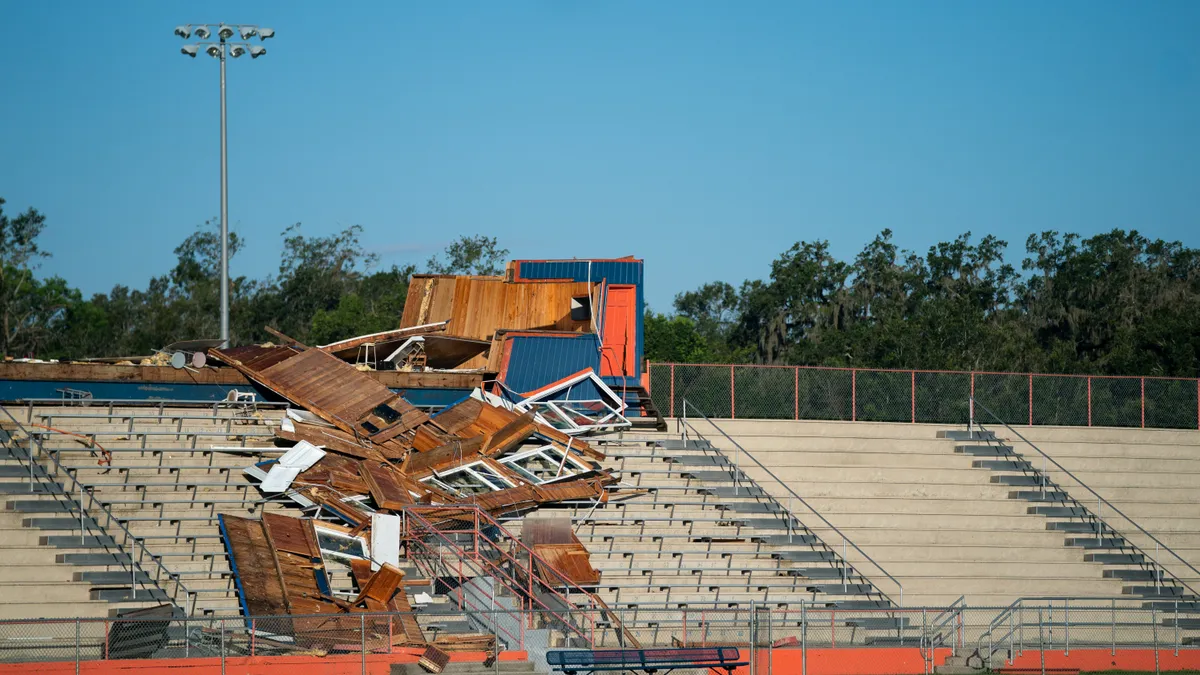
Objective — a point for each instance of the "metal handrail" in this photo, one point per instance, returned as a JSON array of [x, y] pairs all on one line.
[[77, 487], [1100, 499], [483, 517], [793, 495]]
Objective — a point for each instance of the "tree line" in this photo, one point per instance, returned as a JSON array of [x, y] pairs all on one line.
[[326, 288], [1117, 303]]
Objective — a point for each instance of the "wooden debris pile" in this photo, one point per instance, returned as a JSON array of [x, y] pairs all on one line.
[[361, 455]]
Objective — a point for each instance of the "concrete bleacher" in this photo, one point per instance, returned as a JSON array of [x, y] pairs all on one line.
[[944, 528], [172, 472], [678, 533]]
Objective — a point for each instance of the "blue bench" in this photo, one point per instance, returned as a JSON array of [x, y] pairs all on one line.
[[651, 661]]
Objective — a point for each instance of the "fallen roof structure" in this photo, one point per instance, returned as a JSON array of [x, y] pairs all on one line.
[[362, 457]]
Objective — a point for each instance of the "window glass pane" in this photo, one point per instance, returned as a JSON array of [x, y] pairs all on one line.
[[332, 542]]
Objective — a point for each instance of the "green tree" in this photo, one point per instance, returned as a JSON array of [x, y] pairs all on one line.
[[470, 255]]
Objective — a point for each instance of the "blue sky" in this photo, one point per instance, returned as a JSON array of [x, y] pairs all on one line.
[[705, 137]]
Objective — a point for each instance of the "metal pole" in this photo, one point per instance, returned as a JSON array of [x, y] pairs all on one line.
[[1114, 628], [1041, 641], [81, 529], [1067, 629], [224, 214], [803, 638], [77, 655], [222, 646], [31, 461], [753, 638], [1154, 630], [362, 634]]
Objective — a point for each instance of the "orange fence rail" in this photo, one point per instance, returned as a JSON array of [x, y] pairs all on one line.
[[929, 396]]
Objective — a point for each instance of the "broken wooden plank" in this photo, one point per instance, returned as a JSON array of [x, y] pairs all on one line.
[[385, 486]]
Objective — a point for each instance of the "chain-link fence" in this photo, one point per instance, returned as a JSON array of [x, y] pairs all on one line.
[[941, 397], [1087, 634]]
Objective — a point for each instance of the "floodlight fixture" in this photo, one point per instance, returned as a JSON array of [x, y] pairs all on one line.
[[248, 32], [236, 51], [224, 32], [202, 32], [257, 51], [184, 32], [213, 51], [264, 33], [190, 50]]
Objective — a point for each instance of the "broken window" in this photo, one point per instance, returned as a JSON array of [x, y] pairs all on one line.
[[581, 308], [342, 546], [544, 464], [577, 404], [470, 479]]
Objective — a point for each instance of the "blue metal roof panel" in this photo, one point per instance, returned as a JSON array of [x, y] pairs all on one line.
[[536, 361]]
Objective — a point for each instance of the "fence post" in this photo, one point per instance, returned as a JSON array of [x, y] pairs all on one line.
[[753, 638], [796, 389], [971, 412], [222, 646], [362, 635], [1090, 398], [78, 622], [803, 638], [1041, 641], [733, 404], [1154, 630], [854, 395], [672, 390], [913, 375], [1143, 402], [1031, 404]]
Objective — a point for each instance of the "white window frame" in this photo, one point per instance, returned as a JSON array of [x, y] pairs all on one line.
[[548, 403], [572, 467], [487, 480], [338, 534]]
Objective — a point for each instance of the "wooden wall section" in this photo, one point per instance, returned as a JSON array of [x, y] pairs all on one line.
[[479, 306]]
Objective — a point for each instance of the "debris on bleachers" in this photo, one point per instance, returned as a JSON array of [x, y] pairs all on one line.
[[361, 452]]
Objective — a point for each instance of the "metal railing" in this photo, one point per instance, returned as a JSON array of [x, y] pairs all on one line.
[[127, 546], [773, 639], [924, 396], [1101, 502], [793, 498]]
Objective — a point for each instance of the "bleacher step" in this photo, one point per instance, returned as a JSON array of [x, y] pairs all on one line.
[[751, 507], [804, 556], [127, 595], [820, 572], [74, 541], [1017, 480], [92, 559], [699, 460], [879, 622], [984, 450], [1094, 542], [41, 506], [1130, 575], [1039, 496], [965, 435], [740, 491], [843, 589], [1002, 464], [112, 578], [51, 523], [677, 444], [1077, 526], [1160, 591], [795, 539], [1187, 624], [1057, 511], [1115, 558]]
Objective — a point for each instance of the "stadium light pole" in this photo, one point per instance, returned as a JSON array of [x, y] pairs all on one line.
[[221, 50]]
